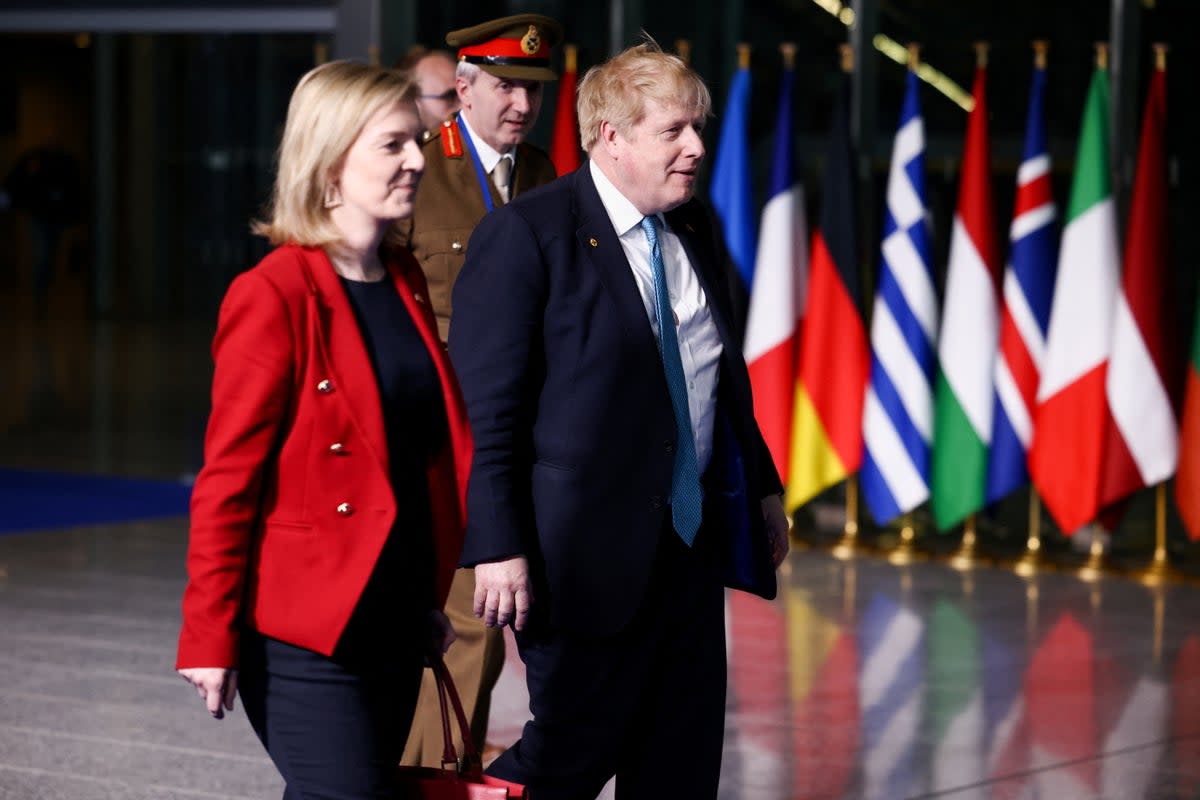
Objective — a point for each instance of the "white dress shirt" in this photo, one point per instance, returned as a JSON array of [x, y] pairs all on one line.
[[488, 155], [700, 345]]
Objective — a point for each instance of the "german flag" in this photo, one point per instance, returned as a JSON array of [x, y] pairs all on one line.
[[834, 359]]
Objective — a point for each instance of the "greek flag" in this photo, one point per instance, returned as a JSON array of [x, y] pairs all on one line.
[[898, 413]]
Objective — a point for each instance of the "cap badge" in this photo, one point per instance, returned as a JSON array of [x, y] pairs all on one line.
[[531, 41]]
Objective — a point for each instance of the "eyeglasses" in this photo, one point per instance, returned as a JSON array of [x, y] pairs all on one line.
[[448, 96]]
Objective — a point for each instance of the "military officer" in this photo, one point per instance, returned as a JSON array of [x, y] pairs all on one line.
[[474, 163]]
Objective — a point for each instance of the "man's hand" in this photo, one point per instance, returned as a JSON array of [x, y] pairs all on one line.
[[217, 686], [502, 592], [777, 527]]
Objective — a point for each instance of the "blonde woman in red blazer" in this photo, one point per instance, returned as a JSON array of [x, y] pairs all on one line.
[[328, 518]]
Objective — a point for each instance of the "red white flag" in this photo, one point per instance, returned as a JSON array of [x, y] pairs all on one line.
[[1142, 441]]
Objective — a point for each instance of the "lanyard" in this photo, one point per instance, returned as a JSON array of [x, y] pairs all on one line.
[[485, 185]]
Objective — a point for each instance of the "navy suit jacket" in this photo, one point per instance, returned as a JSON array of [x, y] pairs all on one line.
[[571, 415]]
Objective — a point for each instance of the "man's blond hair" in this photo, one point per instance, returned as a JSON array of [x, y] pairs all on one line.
[[618, 89], [328, 110]]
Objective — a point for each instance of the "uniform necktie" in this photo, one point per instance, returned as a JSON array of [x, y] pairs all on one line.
[[687, 496], [501, 175]]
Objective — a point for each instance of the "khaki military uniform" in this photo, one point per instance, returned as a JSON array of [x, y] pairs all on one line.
[[449, 204]]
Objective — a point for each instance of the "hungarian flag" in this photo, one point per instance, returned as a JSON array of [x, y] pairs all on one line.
[[1142, 442], [777, 296], [962, 430], [1067, 456], [730, 187], [1025, 317], [834, 360], [564, 144]]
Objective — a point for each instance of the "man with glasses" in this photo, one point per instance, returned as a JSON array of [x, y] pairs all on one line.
[[437, 96]]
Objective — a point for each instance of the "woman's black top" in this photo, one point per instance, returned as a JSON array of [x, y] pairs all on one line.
[[414, 417]]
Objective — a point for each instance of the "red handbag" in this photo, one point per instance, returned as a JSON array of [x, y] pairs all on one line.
[[456, 779]]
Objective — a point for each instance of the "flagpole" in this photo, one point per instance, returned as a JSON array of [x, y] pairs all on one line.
[[905, 552], [847, 548], [1159, 571], [1093, 569], [683, 49], [1031, 560], [964, 559]]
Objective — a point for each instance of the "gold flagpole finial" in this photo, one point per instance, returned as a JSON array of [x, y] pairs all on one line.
[[1102, 55], [743, 55], [846, 54], [1160, 56], [683, 48], [914, 56], [1040, 48], [570, 57], [788, 49], [981, 53]]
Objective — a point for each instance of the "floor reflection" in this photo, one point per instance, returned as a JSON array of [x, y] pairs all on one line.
[[865, 680]]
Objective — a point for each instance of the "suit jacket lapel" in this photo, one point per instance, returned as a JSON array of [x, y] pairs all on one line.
[[595, 237], [345, 354], [701, 255]]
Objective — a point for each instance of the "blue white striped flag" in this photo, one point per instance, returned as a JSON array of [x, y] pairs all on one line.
[[898, 413]]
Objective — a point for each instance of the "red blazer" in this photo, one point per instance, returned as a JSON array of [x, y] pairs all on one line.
[[294, 503]]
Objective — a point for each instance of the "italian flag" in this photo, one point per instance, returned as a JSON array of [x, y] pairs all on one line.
[[970, 328], [1066, 458]]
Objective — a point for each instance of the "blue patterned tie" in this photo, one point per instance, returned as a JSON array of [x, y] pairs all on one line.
[[687, 496]]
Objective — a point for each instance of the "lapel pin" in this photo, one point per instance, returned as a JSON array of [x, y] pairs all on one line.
[[593, 243]]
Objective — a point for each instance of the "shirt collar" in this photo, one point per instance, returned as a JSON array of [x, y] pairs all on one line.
[[488, 156], [621, 212]]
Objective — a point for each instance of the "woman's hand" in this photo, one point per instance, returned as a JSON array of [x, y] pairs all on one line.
[[216, 685], [441, 633]]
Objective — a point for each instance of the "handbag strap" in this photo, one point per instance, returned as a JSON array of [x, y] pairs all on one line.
[[446, 690]]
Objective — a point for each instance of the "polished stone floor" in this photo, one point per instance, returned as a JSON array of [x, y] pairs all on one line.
[[862, 680]]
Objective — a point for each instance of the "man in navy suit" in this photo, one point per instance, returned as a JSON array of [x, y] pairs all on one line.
[[619, 480]]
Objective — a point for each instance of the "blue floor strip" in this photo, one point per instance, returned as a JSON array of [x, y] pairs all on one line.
[[33, 501]]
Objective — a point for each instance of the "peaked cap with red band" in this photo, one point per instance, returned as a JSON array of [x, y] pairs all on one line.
[[510, 47]]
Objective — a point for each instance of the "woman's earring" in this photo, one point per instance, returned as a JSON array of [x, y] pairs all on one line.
[[333, 197]]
